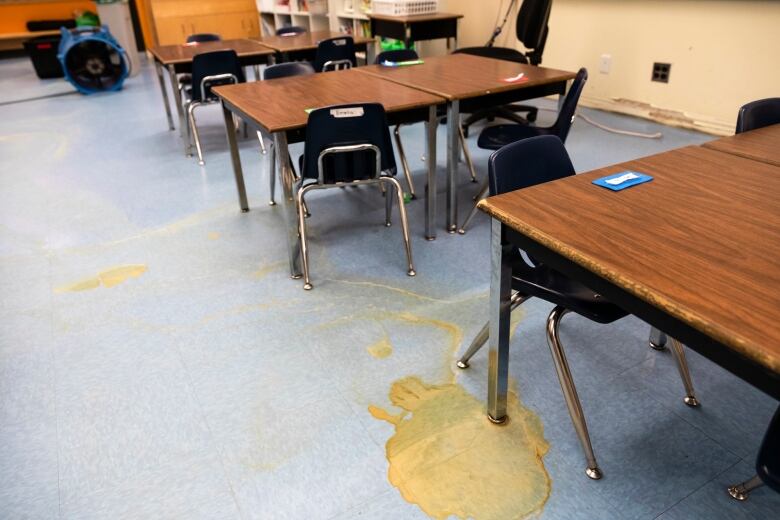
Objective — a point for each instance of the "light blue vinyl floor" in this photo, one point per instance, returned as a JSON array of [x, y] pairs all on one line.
[[213, 386]]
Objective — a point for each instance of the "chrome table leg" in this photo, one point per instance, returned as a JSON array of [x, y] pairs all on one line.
[[657, 339], [177, 97], [453, 152], [287, 176], [235, 158], [500, 316], [430, 203], [682, 366], [164, 90]]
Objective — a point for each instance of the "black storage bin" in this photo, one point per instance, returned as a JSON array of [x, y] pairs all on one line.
[[43, 53]]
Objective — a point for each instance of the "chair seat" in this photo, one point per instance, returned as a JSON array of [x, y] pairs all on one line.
[[768, 463], [498, 136], [552, 286]]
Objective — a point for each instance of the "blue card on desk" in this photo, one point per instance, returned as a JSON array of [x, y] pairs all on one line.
[[622, 180]]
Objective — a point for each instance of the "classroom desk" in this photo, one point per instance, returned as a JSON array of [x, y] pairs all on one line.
[[178, 59], [416, 28], [470, 83], [301, 46], [278, 107], [760, 145], [693, 252]]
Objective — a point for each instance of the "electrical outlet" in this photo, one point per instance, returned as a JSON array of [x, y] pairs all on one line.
[[605, 64], [661, 72]]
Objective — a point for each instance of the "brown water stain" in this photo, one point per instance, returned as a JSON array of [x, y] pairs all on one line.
[[108, 278], [447, 458], [381, 349]]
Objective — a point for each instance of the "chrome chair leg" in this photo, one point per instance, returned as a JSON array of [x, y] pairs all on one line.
[[256, 70], [682, 366], [570, 391], [302, 232], [404, 162], [404, 222], [188, 135], [742, 491], [481, 195], [262, 143], [272, 175], [484, 334], [467, 154], [194, 126], [657, 339]]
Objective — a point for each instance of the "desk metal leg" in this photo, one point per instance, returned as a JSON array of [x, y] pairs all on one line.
[[235, 158], [500, 314], [177, 97], [164, 90], [430, 196], [453, 154], [290, 211], [371, 52]]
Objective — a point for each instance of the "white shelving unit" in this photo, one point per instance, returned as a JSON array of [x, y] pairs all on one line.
[[337, 15]]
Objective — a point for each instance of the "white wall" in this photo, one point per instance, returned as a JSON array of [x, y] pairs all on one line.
[[724, 53]]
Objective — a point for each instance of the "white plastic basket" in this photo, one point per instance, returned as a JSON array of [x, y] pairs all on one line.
[[404, 7]]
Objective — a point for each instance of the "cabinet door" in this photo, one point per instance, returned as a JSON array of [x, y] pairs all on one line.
[[229, 26], [172, 31]]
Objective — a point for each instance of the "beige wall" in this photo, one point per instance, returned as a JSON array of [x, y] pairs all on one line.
[[724, 53]]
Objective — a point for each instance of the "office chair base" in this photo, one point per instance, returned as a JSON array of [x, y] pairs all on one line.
[[742, 491], [594, 473], [691, 401]]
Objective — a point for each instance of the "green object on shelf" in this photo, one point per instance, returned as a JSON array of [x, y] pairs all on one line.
[[87, 19]]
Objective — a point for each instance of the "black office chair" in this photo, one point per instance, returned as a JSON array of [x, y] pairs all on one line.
[[520, 165], [282, 70], [758, 114], [209, 69], [335, 54], [290, 30], [767, 463], [531, 31], [496, 137], [349, 145]]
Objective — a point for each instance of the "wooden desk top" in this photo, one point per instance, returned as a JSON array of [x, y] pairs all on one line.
[[463, 76], [176, 54], [701, 241], [415, 18], [281, 104], [306, 41], [760, 145]]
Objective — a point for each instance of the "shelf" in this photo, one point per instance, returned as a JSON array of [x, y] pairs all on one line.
[[353, 16]]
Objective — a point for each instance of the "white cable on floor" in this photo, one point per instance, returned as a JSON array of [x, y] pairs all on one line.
[[611, 130]]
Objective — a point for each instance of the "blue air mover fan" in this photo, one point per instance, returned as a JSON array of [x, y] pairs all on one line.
[[92, 59]]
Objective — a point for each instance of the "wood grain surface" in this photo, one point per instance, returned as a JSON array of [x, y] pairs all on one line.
[[306, 41], [701, 241], [176, 54], [432, 17], [760, 145], [463, 76], [281, 104]]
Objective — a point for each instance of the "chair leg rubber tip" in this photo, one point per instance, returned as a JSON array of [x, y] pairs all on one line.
[[272, 203], [594, 473], [388, 224], [500, 420], [463, 365], [656, 347], [308, 287], [202, 163], [411, 272], [461, 231], [737, 493], [296, 276], [691, 401]]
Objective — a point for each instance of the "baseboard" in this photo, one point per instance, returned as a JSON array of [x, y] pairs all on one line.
[[660, 115]]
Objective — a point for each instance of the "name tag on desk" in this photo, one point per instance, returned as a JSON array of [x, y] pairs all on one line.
[[622, 180]]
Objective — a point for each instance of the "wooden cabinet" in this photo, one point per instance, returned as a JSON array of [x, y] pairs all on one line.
[[174, 20]]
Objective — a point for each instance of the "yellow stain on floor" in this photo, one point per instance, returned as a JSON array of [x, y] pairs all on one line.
[[108, 278], [213, 235], [381, 349], [447, 458], [265, 270]]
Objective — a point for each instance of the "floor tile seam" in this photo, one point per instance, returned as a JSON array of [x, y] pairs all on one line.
[[697, 489], [212, 438]]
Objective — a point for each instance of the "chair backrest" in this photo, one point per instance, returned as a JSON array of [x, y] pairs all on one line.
[[347, 125], [567, 112], [335, 53], [497, 53], [528, 162], [531, 27], [284, 70], [217, 63], [758, 114], [290, 30], [397, 56], [203, 37]]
